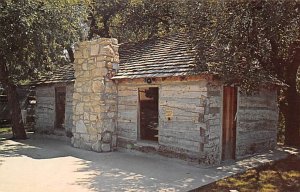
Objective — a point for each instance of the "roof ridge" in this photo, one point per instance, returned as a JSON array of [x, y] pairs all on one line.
[[170, 35]]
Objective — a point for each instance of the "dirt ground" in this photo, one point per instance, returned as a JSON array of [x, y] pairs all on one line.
[[283, 175]]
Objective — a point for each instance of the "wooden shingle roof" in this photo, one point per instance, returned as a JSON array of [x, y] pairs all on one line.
[[61, 74], [160, 57]]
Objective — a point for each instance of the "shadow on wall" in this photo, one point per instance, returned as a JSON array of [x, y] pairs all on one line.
[[119, 171]]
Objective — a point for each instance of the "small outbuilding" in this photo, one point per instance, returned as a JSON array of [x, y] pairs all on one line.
[[147, 96], [54, 93]]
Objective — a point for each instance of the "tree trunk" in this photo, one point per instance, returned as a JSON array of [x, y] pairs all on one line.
[[16, 117], [105, 30], [13, 103], [93, 27], [292, 120], [71, 54]]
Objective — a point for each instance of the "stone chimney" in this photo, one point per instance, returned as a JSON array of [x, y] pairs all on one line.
[[95, 95]]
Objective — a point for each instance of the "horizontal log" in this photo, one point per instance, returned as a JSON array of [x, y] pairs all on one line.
[[128, 93], [182, 94]]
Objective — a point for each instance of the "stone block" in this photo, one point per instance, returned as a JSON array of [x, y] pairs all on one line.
[[114, 42], [111, 114], [106, 137], [105, 147], [86, 89], [85, 137], [91, 61], [93, 118], [92, 131], [109, 65], [114, 141], [94, 138], [84, 66], [76, 96], [85, 53], [106, 50], [85, 145], [79, 108], [97, 146], [80, 127], [86, 116], [96, 86], [75, 142], [76, 136], [86, 98], [78, 54], [80, 61]]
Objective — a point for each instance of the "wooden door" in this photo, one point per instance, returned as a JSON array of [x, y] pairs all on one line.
[[60, 105], [148, 114], [229, 122]]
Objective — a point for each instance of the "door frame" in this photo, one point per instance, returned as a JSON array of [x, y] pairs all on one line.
[[139, 110], [56, 91], [234, 98]]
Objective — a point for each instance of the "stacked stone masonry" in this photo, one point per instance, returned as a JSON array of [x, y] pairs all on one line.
[[95, 95], [69, 109], [213, 122]]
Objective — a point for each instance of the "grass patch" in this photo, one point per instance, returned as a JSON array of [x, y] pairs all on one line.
[[5, 130], [283, 175]]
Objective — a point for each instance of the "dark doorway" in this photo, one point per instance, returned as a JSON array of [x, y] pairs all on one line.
[[148, 100], [229, 122], [60, 105]]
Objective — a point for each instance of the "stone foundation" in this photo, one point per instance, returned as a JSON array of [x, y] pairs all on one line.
[[95, 95]]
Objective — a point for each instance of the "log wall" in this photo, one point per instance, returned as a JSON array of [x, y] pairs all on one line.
[[45, 108], [257, 120], [189, 118]]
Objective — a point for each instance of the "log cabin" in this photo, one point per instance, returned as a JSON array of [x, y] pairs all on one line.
[[151, 96]]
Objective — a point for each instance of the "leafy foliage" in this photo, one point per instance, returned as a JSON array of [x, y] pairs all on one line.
[[103, 14], [251, 43], [147, 19], [134, 20], [246, 42], [34, 34]]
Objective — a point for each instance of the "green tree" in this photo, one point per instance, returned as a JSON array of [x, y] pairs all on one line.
[[147, 19], [33, 35], [247, 43], [102, 14], [250, 43], [133, 20]]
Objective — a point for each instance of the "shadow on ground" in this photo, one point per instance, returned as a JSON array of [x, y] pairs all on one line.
[[121, 171]]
